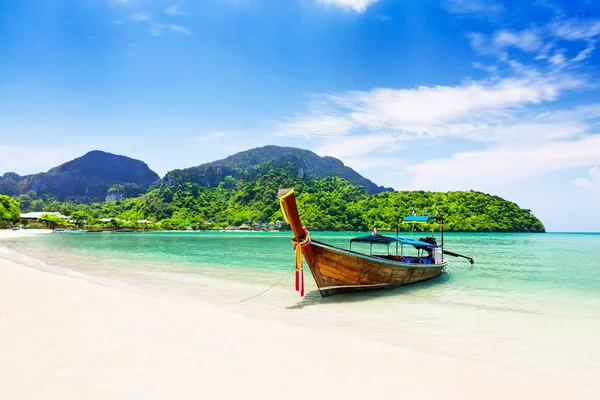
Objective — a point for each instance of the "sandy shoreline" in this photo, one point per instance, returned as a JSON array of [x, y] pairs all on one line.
[[63, 337], [10, 234]]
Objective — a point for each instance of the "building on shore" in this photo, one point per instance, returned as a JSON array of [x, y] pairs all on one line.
[[35, 215]]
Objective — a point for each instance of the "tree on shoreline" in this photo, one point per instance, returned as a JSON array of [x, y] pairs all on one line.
[[80, 218], [52, 221], [9, 211], [332, 204]]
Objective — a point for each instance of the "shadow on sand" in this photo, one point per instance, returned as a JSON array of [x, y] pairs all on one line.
[[314, 297]]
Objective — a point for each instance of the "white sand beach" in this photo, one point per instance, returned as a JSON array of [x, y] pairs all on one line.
[[63, 337], [19, 233]]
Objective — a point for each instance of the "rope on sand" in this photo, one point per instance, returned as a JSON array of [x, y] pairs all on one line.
[[275, 284]]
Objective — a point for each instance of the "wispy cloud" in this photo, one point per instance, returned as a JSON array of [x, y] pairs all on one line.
[[585, 53], [140, 16], [501, 165], [592, 182], [541, 41], [484, 7], [175, 11], [510, 117], [350, 5], [180, 29], [575, 29], [158, 29], [320, 123], [360, 145], [558, 58], [526, 40], [428, 110], [529, 40]]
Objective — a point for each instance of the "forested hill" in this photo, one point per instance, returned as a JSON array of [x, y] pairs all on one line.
[[250, 164], [87, 178], [242, 190], [324, 204]]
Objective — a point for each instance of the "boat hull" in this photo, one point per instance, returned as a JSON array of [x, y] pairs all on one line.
[[337, 270]]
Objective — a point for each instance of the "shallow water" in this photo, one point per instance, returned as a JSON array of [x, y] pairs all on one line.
[[535, 297]]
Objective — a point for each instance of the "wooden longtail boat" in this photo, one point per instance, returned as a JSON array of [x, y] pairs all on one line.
[[338, 270]]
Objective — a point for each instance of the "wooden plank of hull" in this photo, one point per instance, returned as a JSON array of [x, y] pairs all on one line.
[[337, 270]]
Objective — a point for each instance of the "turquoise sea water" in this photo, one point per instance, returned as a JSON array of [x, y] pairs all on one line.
[[535, 297], [565, 264]]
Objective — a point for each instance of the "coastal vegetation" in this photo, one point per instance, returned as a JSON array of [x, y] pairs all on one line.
[[241, 192], [9, 211], [325, 204], [52, 221]]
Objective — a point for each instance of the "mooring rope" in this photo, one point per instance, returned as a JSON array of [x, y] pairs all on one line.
[[275, 284]]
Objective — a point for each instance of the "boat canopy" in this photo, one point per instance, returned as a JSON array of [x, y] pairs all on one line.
[[418, 218], [381, 239]]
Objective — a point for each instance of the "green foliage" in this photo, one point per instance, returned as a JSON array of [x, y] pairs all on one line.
[[52, 221], [80, 217], [324, 203], [9, 210]]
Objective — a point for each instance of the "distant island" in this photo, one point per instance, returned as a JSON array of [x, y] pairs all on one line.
[[105, 191]]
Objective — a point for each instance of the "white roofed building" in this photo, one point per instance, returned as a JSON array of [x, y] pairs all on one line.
[[33, 216]]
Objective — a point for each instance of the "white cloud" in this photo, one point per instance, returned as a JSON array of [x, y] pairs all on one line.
[[412, 109], [140, 16], [180, 29], [576, 29], [353, 146], [526, 40], [428, 111], [540, 40], [488, 68], [585, 53], [497, 166], [319, 125], [175, 11], [350, 5], [558, 58], [509, 122], [593, 182], [157, 29], [520, 136]]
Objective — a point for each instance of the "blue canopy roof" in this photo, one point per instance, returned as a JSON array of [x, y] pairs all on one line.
[[381, 239], [418, 218]]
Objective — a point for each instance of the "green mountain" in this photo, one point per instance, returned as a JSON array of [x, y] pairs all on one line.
[[242, 189], [250, 164], [85, 179], [9, 183]]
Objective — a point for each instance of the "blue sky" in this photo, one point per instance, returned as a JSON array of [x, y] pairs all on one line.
[[490, 95]]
